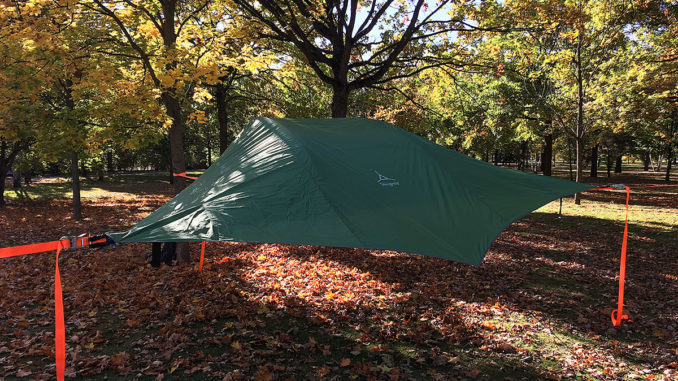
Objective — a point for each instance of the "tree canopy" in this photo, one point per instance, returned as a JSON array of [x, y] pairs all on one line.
[[90, 85]]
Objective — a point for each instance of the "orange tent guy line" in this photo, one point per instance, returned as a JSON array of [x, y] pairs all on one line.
[[183, 174], [202, 254]]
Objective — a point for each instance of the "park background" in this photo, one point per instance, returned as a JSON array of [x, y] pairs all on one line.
[[101, 100]]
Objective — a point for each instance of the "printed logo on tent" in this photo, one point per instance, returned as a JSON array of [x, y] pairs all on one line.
[[386, 181]]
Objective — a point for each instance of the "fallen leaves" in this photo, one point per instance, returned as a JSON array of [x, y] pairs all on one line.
[[273, 312], [119, 360]]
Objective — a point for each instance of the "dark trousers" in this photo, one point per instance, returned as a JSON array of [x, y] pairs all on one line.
[[166, 253]]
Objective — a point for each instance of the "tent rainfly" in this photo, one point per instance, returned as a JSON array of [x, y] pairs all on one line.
[[349, 183]]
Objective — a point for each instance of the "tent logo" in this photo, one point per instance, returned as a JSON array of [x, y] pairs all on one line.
[[386, 181]]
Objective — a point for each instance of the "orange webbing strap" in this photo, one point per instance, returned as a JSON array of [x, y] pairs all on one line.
[[59, 325], [202, 254], [618, 315], [7, 252], [183, 174]]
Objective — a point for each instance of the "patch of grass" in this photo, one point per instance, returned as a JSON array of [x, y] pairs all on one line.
[[61, 188], [654, 217]]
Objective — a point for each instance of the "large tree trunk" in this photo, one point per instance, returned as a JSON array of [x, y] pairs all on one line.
[[618, 164], [594, 161], [221, 100], [173, 107], [177, 160], [547, 156], [339, 101], [75, 182]]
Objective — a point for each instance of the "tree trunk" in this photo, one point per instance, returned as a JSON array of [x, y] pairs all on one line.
[[579, 175], [84, 171], [169, 162], [109, 161], [75, 181], [221, 100], [646, 161], [7, 161], [209, 153], [100, 169], [16, 179], [669, 148], [3, 169], [177, 160], [547, 156], [609, 165], [594, 161], [618, 165], [579, 139], [669, 155], [569, 157], [339, 101], [3, 174]]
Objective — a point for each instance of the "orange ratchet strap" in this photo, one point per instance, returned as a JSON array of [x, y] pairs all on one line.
[[59, 325]]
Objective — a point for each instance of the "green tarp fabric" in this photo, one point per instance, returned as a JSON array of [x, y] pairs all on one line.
[[349, 183]]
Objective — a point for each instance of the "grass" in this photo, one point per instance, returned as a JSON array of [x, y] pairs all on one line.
[[122, 184]]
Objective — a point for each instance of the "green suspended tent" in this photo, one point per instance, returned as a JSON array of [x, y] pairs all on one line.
[[349, 183]]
